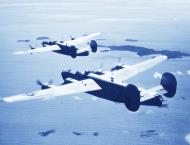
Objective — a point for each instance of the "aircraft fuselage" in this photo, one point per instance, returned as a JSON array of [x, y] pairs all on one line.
[[71, 51], [67, 50], [110, 90]]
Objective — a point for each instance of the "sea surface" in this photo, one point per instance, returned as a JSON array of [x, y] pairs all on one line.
[[82, 119]]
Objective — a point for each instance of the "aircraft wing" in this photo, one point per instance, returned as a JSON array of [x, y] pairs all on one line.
[[67, 89], [129, 71], [151, 93], [80, 50], [81, 40], [40, 50]]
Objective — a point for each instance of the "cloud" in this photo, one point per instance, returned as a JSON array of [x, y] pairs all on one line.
[[187, 138], [179, 73], [157, 75], [125, 132], [188, 72], [77, 98], [147, 112]]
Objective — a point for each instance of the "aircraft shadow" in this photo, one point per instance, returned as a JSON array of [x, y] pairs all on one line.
[[148, 133]]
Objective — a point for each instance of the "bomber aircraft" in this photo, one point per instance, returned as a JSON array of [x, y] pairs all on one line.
[[68, 47], [108, 85]]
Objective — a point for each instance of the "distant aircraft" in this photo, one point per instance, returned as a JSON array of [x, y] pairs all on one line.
[[108, 85], [66, 47]]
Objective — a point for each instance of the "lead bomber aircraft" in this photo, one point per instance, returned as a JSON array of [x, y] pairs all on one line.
[[68, 47], [108, 85]]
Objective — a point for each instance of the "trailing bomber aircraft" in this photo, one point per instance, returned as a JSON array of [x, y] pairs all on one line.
[[68, 47], [108, 85]]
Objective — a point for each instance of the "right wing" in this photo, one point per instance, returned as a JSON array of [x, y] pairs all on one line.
[[80, 50], [127, 72], [39, 50], [67, 89], [80, 40]]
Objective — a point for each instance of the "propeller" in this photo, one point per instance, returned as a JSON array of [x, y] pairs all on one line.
[[31, 47], [72, 38], [39, 83], [44, 85], [101, 66], [50, 82], [119, 60], [62, 74], [43, 43]]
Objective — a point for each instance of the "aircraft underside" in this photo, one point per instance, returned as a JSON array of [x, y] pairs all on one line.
[[109, 91]]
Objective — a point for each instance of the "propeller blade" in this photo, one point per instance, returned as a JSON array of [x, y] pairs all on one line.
[[72, 38], [101, 66], [50, 82], [119, 59], [44, 85], [39, 83], [31, 47]]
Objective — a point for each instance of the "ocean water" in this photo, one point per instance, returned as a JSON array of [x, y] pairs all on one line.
[[161, 24]]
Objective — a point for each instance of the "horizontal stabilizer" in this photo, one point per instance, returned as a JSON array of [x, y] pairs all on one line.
[[167, 87], [151, 93], [81, 50]]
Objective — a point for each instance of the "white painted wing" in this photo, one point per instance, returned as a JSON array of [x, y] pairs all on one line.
[[130, 71], [151, 93], [39, 50], [80, 50], [71, 88], [81, 40]]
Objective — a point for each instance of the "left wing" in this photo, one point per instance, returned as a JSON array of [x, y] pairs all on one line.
[[80, 40], [67, 89], [39, 50]]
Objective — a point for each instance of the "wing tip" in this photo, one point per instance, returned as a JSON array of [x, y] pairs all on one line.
[[15, 53], [2, 100], [162, 57], [97, 33], [18, 52]]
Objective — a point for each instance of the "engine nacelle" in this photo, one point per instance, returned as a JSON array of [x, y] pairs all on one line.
[[85, 53], [131, 97], [169, 83], [66, 74], [93, 46], [44, 43], [117, 67], [74, 51], [43, 87]]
